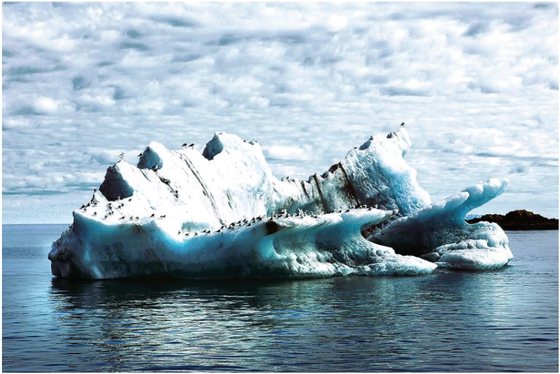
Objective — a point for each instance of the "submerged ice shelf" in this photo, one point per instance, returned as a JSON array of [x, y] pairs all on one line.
[[223, 214]]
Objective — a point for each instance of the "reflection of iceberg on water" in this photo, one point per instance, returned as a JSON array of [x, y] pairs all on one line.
[[222, 214]]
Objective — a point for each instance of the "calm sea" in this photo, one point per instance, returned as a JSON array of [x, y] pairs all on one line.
[[504, 320]]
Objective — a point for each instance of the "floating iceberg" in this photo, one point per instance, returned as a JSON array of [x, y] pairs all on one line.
[[223, 214]]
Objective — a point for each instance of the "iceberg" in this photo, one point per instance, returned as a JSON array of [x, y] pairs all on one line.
[[223, 214]]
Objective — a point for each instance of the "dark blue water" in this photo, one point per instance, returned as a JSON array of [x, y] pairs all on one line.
[[504, 320]]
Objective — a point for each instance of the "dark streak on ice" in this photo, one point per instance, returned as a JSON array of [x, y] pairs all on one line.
[[204, 187], [325, 206], [349, 184], [304, 189]]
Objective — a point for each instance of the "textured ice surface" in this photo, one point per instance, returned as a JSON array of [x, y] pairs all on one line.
[[325, 245], [439, 232], [223, 214]]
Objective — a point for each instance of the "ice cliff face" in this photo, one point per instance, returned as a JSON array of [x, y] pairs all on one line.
[[223, 214]]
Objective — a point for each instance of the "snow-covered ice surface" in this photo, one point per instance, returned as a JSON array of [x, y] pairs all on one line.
[[223, 214]]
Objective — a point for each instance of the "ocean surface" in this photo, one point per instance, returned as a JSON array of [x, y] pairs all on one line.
[[505, 320]]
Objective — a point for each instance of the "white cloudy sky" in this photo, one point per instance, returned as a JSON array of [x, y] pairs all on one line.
[[476, 83]]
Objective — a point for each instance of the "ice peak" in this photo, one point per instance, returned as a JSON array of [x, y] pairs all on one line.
[[214, 146], [231, 143], [152, 158]]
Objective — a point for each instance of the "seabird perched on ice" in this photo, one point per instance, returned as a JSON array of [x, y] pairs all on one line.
[[402, 124], [121, 156]]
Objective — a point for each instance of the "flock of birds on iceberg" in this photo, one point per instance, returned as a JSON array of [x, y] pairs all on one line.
[[232, 226], [223, 214]]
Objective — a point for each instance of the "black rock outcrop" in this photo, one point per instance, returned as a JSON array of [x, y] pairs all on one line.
[[519, 220]]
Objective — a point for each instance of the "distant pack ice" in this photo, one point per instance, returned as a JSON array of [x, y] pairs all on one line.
[[223, 214]]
